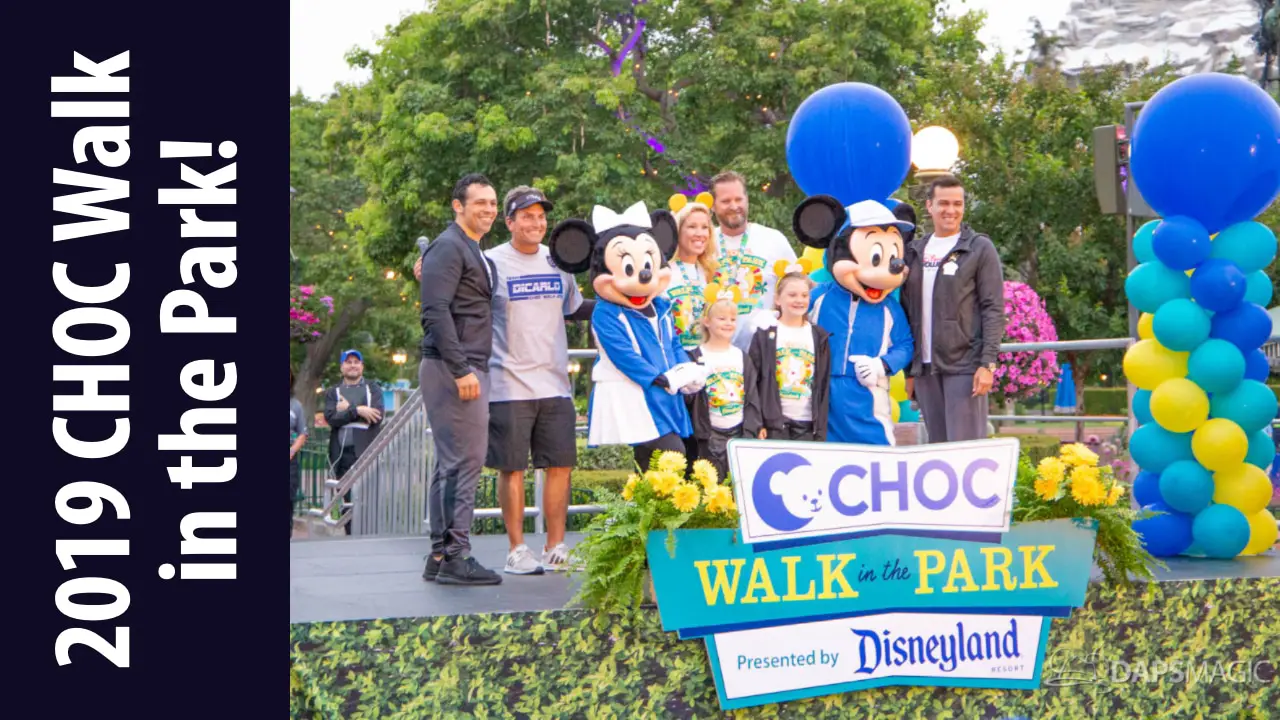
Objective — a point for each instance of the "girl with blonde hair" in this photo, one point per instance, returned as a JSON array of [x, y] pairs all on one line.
[[721, 410]]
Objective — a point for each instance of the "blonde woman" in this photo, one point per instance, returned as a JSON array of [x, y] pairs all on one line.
[[694, 265]]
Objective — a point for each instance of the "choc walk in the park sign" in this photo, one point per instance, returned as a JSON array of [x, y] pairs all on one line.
[[858, 567]]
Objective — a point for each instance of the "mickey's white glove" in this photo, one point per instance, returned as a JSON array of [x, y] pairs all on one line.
[[683, 375], [869, 370]]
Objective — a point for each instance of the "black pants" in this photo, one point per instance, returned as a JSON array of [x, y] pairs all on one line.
[[644, 451], [796, 430], [340, 468], [295, 482], [715, 449]]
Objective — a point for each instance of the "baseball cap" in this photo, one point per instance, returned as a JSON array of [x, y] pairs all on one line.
[[348, 353], [524, 200], [870, 213]]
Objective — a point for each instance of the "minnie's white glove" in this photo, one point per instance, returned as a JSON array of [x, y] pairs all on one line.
[[869, 370]]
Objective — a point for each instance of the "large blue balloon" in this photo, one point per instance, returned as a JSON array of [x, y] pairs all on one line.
[[1257, 366], [1155, 448], [1251, 405], [1142, 407], [851, 141], [1221, 531], [1247, 327], [1218, 285], [1205, 146], [1164, 535], [1180, 242], [1258, 288], [1262, 449], [1181, 325], [1142, 243], [1250, 245], [1216, 366], [1186, 486], [1152, 284], [1146, 488]]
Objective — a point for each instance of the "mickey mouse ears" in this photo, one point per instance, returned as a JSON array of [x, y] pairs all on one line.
[[715, 293], [786, 267], [678, 201]]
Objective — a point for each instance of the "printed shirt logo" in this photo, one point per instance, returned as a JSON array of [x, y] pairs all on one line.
[[795, 372], [535, 287], [746, 272], [687, 303], [725, 392]]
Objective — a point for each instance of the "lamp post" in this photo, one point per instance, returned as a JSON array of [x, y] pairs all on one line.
[[934, 152]]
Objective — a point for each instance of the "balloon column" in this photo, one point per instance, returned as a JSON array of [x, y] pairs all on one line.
[[1205, 156]]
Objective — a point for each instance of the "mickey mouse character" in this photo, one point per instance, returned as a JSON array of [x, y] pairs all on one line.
[[642, 366], [870, 338]]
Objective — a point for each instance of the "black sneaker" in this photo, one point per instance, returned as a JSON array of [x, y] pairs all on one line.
[[432, 569], [466, 571]]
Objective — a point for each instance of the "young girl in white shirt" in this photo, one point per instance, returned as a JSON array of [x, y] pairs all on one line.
[[792, 357], [719, 410]]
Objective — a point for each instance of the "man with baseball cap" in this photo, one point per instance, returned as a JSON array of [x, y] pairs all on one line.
[[531, 410], [353, 411]]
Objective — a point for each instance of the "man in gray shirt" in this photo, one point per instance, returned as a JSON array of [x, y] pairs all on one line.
[[531, 407]]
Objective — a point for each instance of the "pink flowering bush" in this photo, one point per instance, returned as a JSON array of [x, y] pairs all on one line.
[[1024, 374], [305, 313]]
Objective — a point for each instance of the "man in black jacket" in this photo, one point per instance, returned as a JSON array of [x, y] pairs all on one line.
[[353, 410], [954, 302], [457, 327]]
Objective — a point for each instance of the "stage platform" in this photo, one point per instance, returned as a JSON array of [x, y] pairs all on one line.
[[354, 578]]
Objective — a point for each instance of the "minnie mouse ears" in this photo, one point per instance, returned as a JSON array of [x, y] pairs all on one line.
[[678, 201], [786, 267], [715, 293]]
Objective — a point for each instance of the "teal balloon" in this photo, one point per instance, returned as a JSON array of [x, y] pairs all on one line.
[[908, 413], [1250, 245], [1262, 449], [1181, 325], [1142, 407], [1221, 531], [1143, 247], [1155, 448], [1186, 486], [1217, 366], [1152, 284], [1258, 288], [1251, 405], [820, 276]]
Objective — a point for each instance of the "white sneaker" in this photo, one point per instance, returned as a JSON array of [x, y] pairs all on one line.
[[555, 558], [521, 562]]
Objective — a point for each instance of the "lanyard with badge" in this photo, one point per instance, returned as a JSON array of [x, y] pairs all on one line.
[[738, 256]]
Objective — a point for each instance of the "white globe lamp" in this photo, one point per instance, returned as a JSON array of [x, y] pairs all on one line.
[[934, 152]]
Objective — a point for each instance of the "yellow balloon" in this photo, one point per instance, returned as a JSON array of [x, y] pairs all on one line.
[[1145, 332], [895, 411], [1179, 405], [814, 256], [1244, 487], [898, 387], [1147, 363], [1262, 532], [1219, 444]]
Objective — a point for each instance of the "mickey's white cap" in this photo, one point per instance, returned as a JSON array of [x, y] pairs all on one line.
[[870, 213]]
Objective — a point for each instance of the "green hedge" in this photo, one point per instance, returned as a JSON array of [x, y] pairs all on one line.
[[1100, 401]]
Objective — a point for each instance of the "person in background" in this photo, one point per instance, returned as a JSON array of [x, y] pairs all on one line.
[[297, 439], [792, 361], [353, 410]]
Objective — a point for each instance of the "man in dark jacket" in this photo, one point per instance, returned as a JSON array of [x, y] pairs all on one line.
[[954, 302], [457, 328], [353, 410]]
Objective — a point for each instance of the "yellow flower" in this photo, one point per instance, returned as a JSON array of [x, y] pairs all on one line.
[[1085, 487], [705, 473], [686, 497], [1117, 491], [1047, 488], [629, 490], [1052, 469], [673, 462], [662, 482], [720, 500], [1078, 455]]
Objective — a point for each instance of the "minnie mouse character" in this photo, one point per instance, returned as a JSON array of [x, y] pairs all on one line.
[[642, 366], [870, 338]]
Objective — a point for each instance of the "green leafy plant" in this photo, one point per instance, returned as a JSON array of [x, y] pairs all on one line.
[[1072, 485], [612, 557]]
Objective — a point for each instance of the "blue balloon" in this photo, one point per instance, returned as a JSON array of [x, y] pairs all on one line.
[[1164, 535], [1152, 284], [1143, 252], [1186, 486], [1180, 242], [1181, 325], [1251, 405], [849, 140], [1258, 288], [1257, 366], [1221, 531], [1146, 488], [1262, 449], [1216, 366], [1142, 407], [1247, 327], [1204, 146], [1250, 245], [1155, 448], [1218, 285]]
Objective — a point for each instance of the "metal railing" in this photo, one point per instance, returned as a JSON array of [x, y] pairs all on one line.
[[390, 481]]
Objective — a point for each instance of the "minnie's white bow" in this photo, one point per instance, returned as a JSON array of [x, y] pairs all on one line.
[[602, 218], [793, 268], [724, 295]]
